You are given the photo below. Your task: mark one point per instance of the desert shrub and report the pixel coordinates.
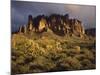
(80, 57)
(70, 52)
(16, 52)
(23, 68)
(28, 59)
(69, 63)
(42, 63)
(19, 68)
(86, 64)
(74, 63)
(20, 60)
(13, 67)
(64, 44)
(88, 54)
(77, 49)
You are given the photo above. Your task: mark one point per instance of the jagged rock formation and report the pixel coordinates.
(22, 29)
(59, 24)
(30, 23)
(63, 25)
(42, 24)
(76, 27)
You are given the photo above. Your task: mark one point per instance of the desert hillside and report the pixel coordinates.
(47, 52)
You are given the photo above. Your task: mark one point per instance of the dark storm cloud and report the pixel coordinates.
(21, 9)
(87, 14)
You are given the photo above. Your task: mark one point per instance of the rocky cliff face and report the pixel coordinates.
(59, 24)
(76, 27)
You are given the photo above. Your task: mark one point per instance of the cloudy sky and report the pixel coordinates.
(21, 9)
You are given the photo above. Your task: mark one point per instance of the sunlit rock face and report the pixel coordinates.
(76, 27)
(43, 24)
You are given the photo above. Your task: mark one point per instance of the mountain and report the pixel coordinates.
(59, 24)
